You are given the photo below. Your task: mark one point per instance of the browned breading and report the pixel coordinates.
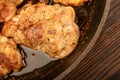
(50, 28)
(71, 2)
(8, 9)
(10, 58)
(17, 2)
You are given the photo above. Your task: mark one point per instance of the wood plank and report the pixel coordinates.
(103, 61)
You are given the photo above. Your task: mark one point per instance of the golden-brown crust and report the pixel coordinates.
(71, 2)
(10, 58)
(7, 10)
(5, 66)
(9, 28)
(50, 28)
(34, 34)
(17, 2)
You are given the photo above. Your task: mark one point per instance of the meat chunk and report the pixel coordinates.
(71, 2)
(8, 9)
(28, 4)
(10, 58)
(50, 28)
(17, 2)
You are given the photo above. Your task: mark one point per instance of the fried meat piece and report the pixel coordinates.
(71, 2)
(10, 58)
(50, 28)
(30, 3)
(17, 2)
(8, 9)
(24, 7)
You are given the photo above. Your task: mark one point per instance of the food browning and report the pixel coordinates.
(50, 28)
(10, 58)
(44, 1)
(71, 2)
(8, 9)
(17, 2)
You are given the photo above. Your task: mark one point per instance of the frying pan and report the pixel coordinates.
(39, 66)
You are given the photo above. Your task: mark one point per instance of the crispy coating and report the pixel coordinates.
(71, 2)
(17, 2)
(24, 7)
(8, 9)
(50, 28)
(10, 58)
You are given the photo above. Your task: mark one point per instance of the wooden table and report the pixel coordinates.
(103, 61)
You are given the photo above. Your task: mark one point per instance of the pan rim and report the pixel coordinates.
(90, 45)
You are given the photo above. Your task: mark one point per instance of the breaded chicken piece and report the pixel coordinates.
(29, 3)
(50, 28)
(8, 9)
(10, 58)
(25, 6)
(17, 2)
(71, 2)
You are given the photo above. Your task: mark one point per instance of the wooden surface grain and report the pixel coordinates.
(103, 61)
